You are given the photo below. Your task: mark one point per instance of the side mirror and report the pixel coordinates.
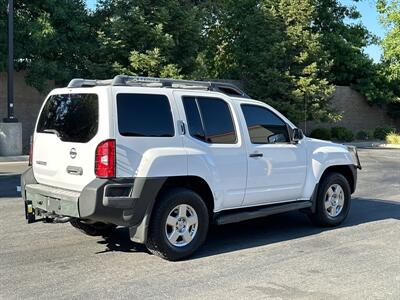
(297, 135)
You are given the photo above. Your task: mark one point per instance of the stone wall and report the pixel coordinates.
(27, 103)
(356, 113)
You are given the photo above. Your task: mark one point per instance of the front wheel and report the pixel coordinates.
(178, 226)
(333, 201)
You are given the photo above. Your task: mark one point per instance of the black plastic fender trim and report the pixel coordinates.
(128, 211)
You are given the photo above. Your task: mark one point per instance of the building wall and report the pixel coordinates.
(27, 103)
(356, 113)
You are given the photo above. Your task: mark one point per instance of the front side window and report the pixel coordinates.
(144, 115)
(264, 126)
(73, 117)
(209, 120)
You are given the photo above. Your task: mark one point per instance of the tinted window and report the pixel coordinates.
(193, 117)
(210, 120)
(73, 117)
(144, 115)
(264, 126)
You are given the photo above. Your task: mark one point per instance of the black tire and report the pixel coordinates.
(321, 216)
(93, 229)
(157, 241)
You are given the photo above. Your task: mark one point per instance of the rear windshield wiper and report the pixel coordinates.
(53, 131)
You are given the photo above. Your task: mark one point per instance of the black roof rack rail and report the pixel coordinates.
(125, 80)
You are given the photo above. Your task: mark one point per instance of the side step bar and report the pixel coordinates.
(239, 215)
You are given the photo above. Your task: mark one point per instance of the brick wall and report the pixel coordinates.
(27, 103)
(356, 113)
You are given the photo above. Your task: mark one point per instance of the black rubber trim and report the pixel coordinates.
(124, 211)
(353, 169)
(240, 215)
(314, 198)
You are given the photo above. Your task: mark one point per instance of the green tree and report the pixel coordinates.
(269, 46)
(53, 40)
(390, 18)
(128, 28)
(150, 63)
(343, 41)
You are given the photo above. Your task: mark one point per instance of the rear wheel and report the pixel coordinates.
(179, 224)
(93, 228)
(333, 201)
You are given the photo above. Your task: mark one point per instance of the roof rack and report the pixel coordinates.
(124, 80)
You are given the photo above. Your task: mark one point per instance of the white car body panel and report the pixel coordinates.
(223, 166)
(51, 156)
(278, 175)
(149, 156)
(323, 154)
(286, 172)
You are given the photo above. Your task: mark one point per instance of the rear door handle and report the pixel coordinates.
(256, 154)
(74, 170)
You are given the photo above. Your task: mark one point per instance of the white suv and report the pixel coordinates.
(167, 158)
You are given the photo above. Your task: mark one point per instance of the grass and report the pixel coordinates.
(393, 138)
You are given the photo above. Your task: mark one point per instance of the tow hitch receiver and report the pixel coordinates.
(29, 212)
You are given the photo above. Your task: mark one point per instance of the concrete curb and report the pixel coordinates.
(389, 146)
(19, 158)
(373, 145)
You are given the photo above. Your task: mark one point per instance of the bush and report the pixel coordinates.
(342, 134)
(380, 133)
(393, 138)
(321, 133)
(363, 135)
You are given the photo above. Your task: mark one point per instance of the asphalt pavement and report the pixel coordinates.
(279, 257)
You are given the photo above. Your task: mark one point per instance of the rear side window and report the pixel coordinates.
(264, 126)
(73, 117)
(209, 120)
(144, 115)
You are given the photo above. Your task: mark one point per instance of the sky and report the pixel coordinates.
(369, 17)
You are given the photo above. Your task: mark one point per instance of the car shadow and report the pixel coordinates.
(8, 185)
(268, 230)
(120, 241)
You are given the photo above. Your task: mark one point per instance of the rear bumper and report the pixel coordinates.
(123, 201)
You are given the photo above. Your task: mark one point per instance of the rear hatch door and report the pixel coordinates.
(67, 134)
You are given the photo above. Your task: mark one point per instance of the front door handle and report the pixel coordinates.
(256, 154)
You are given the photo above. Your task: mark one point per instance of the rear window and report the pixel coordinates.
(73, 117)
(144, 115)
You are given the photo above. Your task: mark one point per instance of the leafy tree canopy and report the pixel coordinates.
(270, 47)
(166, 29)
(53, 39)
(287, 53)
(390, 18)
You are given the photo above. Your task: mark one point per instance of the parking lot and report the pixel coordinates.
(278, 257)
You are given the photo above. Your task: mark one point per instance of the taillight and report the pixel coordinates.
(30, 152)
(105, 159)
